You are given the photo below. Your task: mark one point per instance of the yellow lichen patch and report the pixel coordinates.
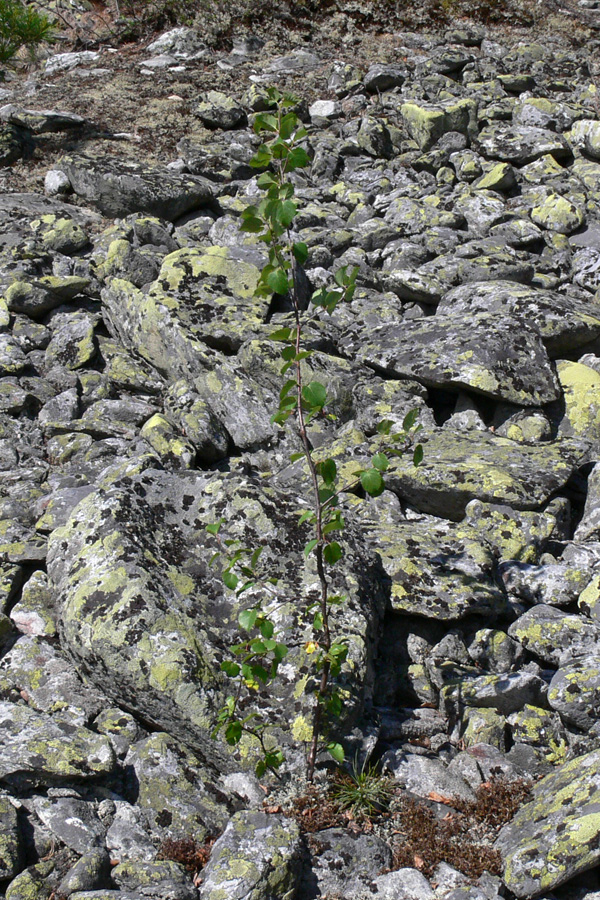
(581, 389)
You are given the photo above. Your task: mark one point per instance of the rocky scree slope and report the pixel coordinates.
(136, 393)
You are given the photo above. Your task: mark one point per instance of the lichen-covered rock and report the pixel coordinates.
(34, 747)
(427, 123)
(257, 857)
(139, 598)
(163, 878)
(520, 144)
(172, 793)
(437, 570)
(118, 188)
(478, 465)
(574, 692)
(74, 822)
(490, 355)
(563, 322)
(90, 872)
(555, 836)
(11, 849)
(217, 110)
(555, 636)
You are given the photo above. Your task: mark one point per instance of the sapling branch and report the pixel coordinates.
(259, 657)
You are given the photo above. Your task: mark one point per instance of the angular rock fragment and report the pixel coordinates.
(492, 355)
(555, 835)
(37, 747)
(118, 188)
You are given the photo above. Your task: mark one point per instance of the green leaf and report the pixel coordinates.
(260, 768)
(280, 651)
(336, 524)
(385, 426)
(230, 668)
(336, 751)
(231, 580)
(288, 125)
(334, 705)
(215, 527)
(278, 281)
(233, 733)
(307, 516)
(418, 455)
(328, 470)
(265, 122)
(252, 225)
(257, 646)
(372, 482)
(294, 457)
(380, 461)
(315, 394)
(247, 619)
(318, 621)
(300, 251)
(267, 629)
(297, 159)
(282, 334)
(256, 556)
(265, 180)
(410, 419)
(285, 212)
(289, 353)
(261, 158)
(287, 387)
(332, 553)
(310, 547)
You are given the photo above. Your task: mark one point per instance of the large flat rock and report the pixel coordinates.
(490, 354)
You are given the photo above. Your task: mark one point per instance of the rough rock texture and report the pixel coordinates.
(460, 174)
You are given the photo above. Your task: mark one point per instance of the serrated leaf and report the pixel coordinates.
(336, 524)
(289, 353)
(265, 180)
(231, 580)
(385, 426)
(288, 125)
(265, 122)
(266, 629)
(280, 651)
(336, 751)
(297, 159)
(315, 394)
(252, 225)
(285, 213)
(332, 553)
(372, 482)
(380, 462)
(261, 158)
(287, 387)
